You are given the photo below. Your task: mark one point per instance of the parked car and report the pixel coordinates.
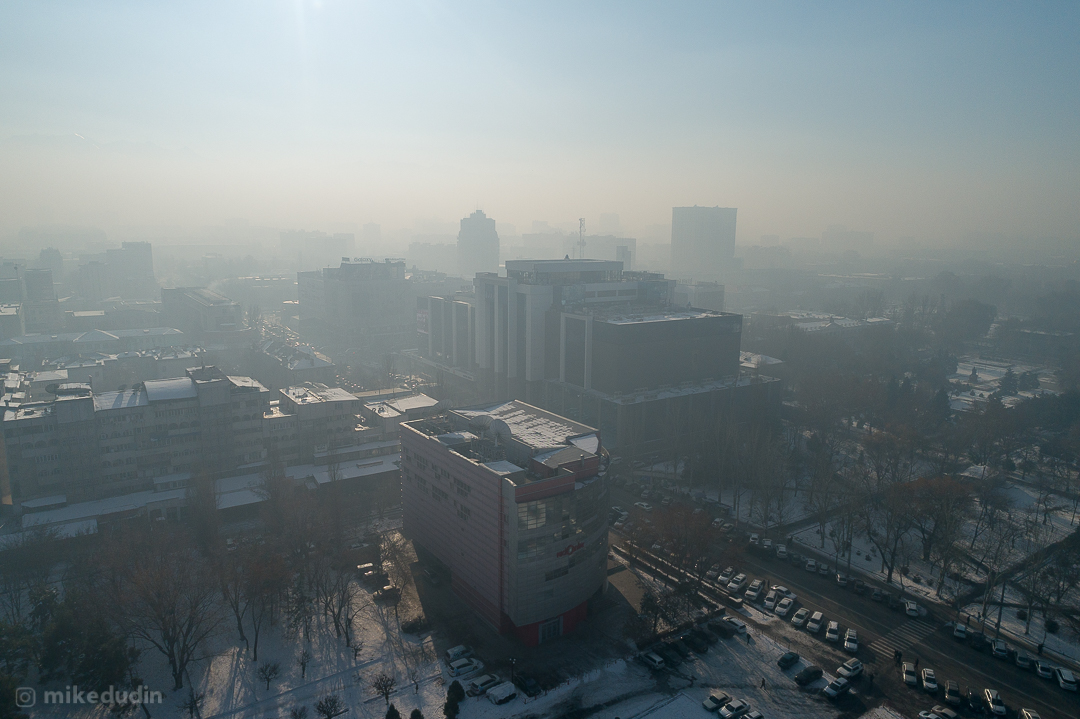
(851, 641)
(993, 702)
(841, 579)
(975, 702)
(766, 545)
(999, 649)
(465, 667)
(810, 566)
(1028, 714)
(787, 660)
(704, 635)
(696, 643)
(461, 651)
(653, 660)
(781, 551)
(755, 540)
(713, 702)
(784, 606)
(1023, 660)
(800, 617)
(726, 575)
(809, 675)
(717, 524)
(814, 624)
(978, 641)
(754, 591)
(388, 593)
(740, 628)
(907, 670)
(528, 685)
(837, 687)
(952, 693)
(860, 586)
(832, 633)
(643, 506)
(960, 631)
(929, 680)
(481, 684)
(877, 595)
(944, 712)
(850, 669)
(771, 599)
(1065, 679)
(737, 583)
(502, 693)
(734, 708)
(722, 628)
(824, 569)
(1043, 669)
(911, 608)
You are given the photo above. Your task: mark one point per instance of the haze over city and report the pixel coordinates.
(922, 122)
(604, 360)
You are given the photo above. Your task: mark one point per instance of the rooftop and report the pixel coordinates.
(529, 425)
(314, 393)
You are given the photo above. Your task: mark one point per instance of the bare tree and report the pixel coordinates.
(162, 593)
(27, 560)
(268, 672)
(330, 706)
(383, 684)
(302, 661)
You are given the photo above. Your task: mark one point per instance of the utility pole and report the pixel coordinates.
(581, 238)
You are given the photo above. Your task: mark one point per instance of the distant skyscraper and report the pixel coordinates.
(702, 241)
(478, 245)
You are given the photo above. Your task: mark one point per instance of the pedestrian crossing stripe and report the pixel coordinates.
(903, 636)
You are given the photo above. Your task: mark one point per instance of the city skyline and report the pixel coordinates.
(938, 124)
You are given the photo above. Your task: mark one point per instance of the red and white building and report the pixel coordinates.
(513, 500)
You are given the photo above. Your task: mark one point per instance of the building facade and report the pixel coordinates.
(513, 500)
(207, 316)
(702, 242)
(477, 245)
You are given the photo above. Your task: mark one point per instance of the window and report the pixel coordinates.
(463, 489)
(464, 512)
(556, 573)
(438, 493)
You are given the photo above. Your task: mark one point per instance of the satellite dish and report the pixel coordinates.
(499, 430)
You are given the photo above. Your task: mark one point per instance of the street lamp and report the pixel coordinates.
(512, 663)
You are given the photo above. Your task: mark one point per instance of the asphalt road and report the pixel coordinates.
(881, 630)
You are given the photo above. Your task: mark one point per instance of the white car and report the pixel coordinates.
(465, 667)
(816, 620)
(993, 702)
(800, 617)
(850, 669)
(785, 592)
(851, 641)
(929, 680)
(911, 608)
(1065, 679)
(784, 606)
(960, 631)
(907, 669)
(771, 598)
(832, 633)
(726, 575)
(755, 590)
(643, 506)
(735, 708)
(755, 539)
(837, 687)
(811, 565)
(737, 583)
(841, 579)
(738, 626)
(781, 551)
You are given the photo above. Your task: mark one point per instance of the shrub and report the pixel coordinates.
(1051, 626)
(1021, 614)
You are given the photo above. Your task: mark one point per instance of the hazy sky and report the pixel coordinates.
(926, 120)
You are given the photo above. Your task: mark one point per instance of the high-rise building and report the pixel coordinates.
(131, 270)
(205, 316)
(513, 501)
(702, 242)
(41, 308)
(478, 245)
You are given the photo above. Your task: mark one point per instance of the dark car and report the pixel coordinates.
(704, 634)
(979, 642)
(894, 602)
(722, 628)
(696, 643)
(528, 685)
(788, 660)
(975, 702)
(680, 646)
(860, 586)
(952, 693)
(808, 676)
(669, 655)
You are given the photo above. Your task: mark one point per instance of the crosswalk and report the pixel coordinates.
(902, 637)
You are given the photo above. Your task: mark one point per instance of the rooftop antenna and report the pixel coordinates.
(581, 238)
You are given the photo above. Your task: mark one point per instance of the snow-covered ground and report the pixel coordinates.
(1066, 643)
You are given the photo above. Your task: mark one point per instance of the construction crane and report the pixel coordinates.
(581, 238)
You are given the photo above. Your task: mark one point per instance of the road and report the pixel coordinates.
(882, 630)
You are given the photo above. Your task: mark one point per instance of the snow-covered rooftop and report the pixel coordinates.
(161, 390)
